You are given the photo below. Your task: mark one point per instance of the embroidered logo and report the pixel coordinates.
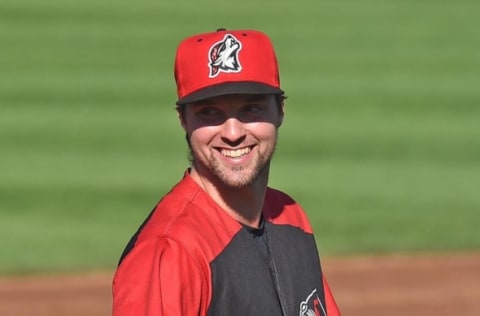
(312, 306)
(224, 56)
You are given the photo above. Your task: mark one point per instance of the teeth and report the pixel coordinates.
(235, 153)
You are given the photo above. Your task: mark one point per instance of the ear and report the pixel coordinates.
(281, 110)
(181, 116)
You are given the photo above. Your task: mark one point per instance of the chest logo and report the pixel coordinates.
(224, 56)
(312, 306)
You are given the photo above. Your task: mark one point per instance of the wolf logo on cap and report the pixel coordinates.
(224, 56)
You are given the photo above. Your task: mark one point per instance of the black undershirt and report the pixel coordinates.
(259, 236)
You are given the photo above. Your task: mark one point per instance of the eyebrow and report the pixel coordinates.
(246, 98)
(200, 103)
(256, 97)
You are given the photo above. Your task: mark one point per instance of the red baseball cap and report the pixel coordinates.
(225, 62)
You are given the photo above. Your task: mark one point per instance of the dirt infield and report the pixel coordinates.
(407, 285)
(389, 285)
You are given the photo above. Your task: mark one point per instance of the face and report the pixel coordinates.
(232, 138)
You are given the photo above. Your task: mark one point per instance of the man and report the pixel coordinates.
(222, 242)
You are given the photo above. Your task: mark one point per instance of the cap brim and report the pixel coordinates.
(229, 88)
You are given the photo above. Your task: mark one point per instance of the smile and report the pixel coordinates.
(235, 153)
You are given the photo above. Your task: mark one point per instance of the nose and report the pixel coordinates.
(233, 131)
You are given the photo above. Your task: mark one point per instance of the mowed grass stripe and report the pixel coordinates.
(380, 143)
(383, 204)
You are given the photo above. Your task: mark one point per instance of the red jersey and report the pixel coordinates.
(190, 257)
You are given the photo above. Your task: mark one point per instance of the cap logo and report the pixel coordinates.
(223, 56)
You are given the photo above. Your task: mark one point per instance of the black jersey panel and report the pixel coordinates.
(245, 282)
(297, 266)
(241, 279)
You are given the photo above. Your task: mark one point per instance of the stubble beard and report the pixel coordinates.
(234, 177)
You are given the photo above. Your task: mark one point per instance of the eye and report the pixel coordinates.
(253, 108)
(207, 111)
(252, 112)
(209, 114)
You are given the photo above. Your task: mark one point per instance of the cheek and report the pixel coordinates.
(201, 136)
(266, 131)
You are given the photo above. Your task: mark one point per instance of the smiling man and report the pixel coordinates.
(222, 242)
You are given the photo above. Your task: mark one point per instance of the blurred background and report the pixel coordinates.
(381, 142)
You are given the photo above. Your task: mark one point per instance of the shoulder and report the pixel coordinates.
(281, 208)
(162, 249)
(159, 270)
(189, 218)
(277, 201)
(275, 194)
(182, 208)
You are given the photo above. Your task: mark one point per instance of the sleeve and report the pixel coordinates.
(160, 278)
(332, 308)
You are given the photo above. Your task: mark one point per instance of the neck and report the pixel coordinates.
(243, 204)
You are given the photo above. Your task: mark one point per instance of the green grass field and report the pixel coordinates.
(381, 143)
